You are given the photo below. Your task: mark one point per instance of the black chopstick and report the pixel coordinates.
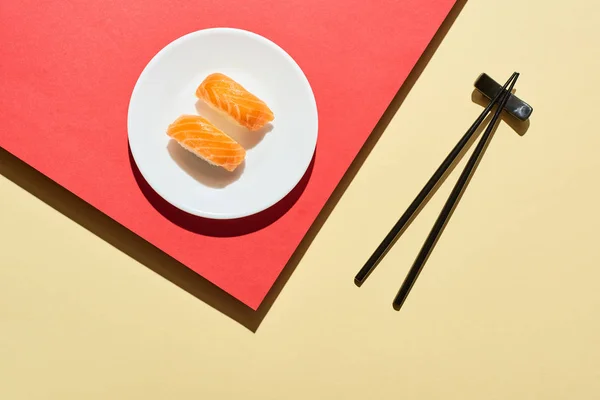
(452, 201)
(387, 242)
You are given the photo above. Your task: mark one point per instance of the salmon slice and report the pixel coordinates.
(232, 99)
(208, 142)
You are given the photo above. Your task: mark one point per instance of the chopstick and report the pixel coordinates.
(446, 212)
(395, 232)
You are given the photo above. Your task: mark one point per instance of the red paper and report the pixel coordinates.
(68, 68)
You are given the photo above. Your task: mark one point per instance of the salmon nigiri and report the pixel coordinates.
(208, 142)
(229, 97)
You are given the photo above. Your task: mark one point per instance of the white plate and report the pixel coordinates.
(277, 157)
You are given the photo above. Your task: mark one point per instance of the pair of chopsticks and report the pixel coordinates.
(500, 99)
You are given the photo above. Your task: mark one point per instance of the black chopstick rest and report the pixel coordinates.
(514, 106)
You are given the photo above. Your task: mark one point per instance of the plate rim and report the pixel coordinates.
(208, 214)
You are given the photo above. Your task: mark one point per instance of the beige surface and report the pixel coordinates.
(508, 305)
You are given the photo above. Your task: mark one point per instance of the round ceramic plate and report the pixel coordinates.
(277, 156)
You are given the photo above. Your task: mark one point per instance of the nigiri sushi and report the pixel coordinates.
(232, 99)
(206, 141)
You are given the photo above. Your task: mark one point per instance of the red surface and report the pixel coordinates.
(68, 68)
